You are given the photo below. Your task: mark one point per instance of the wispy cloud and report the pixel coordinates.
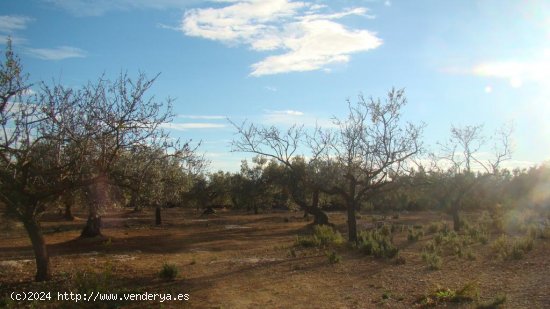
(16, 40)
(516, 72)
(59, 53)
(192, 125)
(291, 117)
(100, 7)
(304, 38)
(270, 88)
(210, 117)
(11, 23)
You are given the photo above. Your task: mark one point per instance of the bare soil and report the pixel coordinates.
(237, 260)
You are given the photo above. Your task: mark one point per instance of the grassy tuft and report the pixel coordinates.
(168, 271)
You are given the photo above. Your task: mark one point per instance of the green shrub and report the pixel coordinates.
(414, 234)
(506, 248)
(434, 227)
(86, 282)
(433, 260)
(377, 243)
(307, 241)
(468, 293)
(327, 235)
(333, 257)
(168, 271)
(323, 236)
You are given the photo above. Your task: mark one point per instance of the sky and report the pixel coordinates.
(280, 62)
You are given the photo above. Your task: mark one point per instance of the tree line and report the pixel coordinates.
(104, 144)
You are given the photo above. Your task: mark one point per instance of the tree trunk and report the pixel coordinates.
(158, 218)
(68, 215)
(134, 202)
(456, 218)
(319, 216)
(40, 249)
(93, 226)
(351, 204)
(352, 223)
(255, 209)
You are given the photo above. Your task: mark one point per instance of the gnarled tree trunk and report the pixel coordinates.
(40, 249)
(93, 226)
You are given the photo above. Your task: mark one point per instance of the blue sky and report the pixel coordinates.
(278, 62)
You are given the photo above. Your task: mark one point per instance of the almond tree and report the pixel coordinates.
(284, 147)
(42, 147)
(368, 151)
(466, 148)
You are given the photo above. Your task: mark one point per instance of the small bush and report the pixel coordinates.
(434, 227)
(506, 248)
(333, 257)
(470, 255)
(327, 235)
(323, 236)
(307, 241)
(168, 271)
(87, 281)
(468, 293)
(414, 234)
(433, 260)
(377, 243)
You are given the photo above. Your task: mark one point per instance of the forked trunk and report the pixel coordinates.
(40, 249)
(319, 216)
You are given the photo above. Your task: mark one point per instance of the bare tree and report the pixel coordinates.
(283, 146)
(120, 117)
(465, 148)
(61, 139)
(369, 150)
(40, 155)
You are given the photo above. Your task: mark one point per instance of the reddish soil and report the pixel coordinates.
(235, 260)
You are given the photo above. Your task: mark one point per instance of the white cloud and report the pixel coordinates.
(516, 72)
(11, 23)
(59, 53)
(305, 39)
(100, 7)
(192, 125)
(387, 3)
(291, 117)
(210, 117)
(488, 89)
(271, 88)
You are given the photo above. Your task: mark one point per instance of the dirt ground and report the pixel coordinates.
(236, 260)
